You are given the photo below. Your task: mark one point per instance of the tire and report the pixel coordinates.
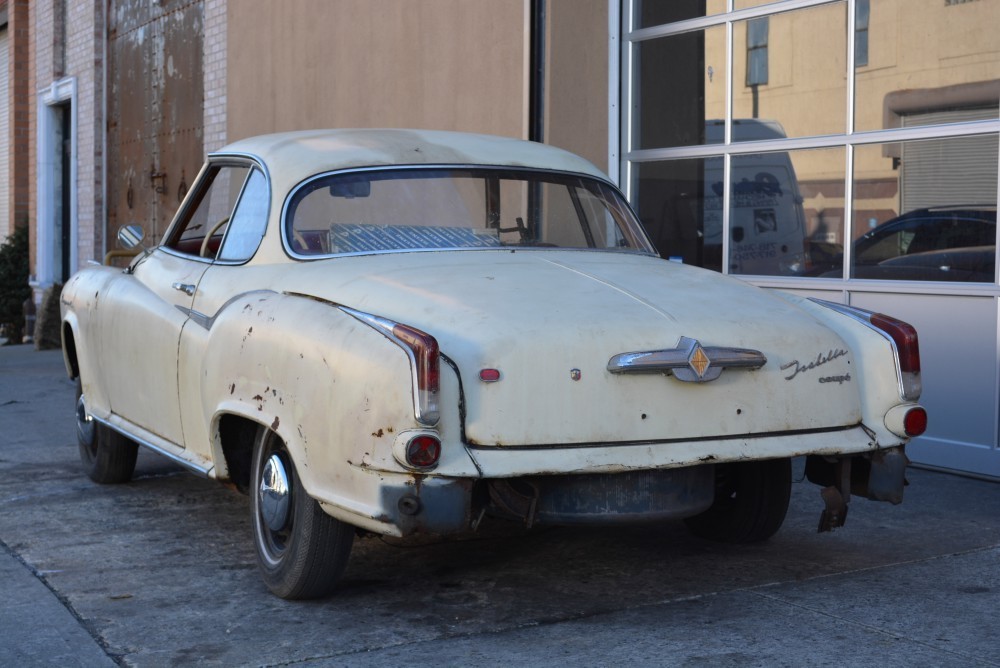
(751, 499)
(107, 456)
(301, 551)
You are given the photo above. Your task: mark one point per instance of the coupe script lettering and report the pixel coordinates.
(820, 360)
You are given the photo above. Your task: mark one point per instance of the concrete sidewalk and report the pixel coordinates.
(160, 571)
(40, 628)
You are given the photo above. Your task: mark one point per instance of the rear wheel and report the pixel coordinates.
(751, 499)
(301, 550)
(107, 456)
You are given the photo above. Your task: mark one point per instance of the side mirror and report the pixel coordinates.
(130, 236)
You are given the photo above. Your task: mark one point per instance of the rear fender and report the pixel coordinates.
(874, 368)
(332, 388)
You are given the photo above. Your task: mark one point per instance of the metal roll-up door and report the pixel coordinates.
(957, 171)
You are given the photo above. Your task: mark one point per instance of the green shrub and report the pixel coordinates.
(14, 289)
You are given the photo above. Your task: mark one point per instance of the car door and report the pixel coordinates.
(225, 279)
(145, 316)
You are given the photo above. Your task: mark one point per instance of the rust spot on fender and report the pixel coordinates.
(274, 425)
(232, 388)
(378, 434)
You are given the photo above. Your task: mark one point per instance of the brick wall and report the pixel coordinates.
(21, 146)
(68, 41)
(215, 74)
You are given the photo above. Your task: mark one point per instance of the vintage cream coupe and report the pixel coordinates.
(401, 332)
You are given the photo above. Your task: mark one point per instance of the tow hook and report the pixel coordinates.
(836, 497)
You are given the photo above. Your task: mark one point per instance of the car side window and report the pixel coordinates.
(201, 229)
(886, 246)
(249, 221)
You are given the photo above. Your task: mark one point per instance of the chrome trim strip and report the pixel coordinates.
(190, 466)
(206, 321)
(685, 362)
(385, 326)
(792, 433)
(863, 316)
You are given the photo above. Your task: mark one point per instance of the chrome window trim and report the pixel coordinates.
(284, 223)
(238, 159)
(236, 206)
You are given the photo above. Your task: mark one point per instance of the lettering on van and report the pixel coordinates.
(820, 360)
(764, 190)
(755, 251)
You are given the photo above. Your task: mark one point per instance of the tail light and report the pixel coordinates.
(903, 338)
(423, 451)
(915, 421)
(425, 362)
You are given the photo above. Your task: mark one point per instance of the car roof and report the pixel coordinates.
(301, 154)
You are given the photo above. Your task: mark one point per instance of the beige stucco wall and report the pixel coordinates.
(437, 64)
(576, 78)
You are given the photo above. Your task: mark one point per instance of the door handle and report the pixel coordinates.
(186, 288)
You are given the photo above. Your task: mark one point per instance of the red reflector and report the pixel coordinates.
(423, 452)
(489, 375)
(915, 422)
(905, 337)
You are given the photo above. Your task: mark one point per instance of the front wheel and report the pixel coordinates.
(107, 456)
(301, 550)
(751, 499)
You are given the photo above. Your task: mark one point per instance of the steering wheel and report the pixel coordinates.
(208, 237)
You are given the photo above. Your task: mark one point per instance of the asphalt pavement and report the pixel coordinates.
(160, 572)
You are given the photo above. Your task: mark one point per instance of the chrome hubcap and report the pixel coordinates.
(272, 495)
(84, 423)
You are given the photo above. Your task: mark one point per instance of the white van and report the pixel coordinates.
(767, 221)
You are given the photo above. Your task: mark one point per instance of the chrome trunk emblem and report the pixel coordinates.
(689, 361)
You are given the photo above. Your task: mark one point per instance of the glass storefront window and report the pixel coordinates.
(744, 4)
(680, 210)
(680, 85)
(924, 71)
(926, 57)
(789, 68)
(648, 13)
(786, 212)
(926, 210)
